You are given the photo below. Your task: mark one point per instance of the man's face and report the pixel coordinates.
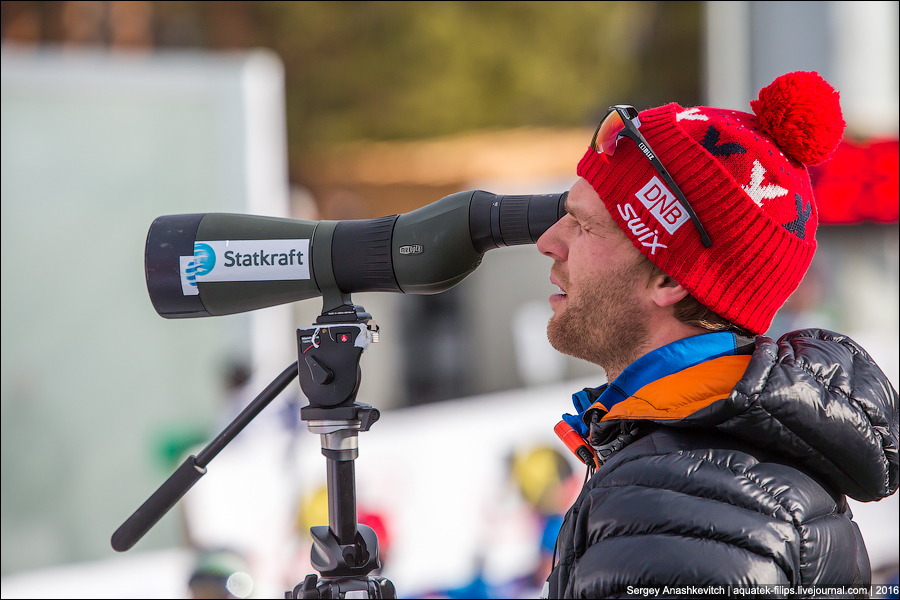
(600, 315)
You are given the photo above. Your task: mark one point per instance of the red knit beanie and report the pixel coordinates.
(746, 178)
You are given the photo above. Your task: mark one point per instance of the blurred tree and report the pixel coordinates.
(390, 70)
(401, 70)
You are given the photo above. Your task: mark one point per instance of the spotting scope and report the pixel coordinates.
(209, 264)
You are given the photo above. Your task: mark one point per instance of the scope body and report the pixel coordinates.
(210, 264)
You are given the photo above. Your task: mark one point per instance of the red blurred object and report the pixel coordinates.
(377, 523)
(859, 184)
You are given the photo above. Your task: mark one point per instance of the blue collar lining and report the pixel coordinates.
(659, 363)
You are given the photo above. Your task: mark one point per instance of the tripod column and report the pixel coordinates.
(340, 445)
(342, 500)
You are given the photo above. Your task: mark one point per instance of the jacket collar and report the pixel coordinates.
(654, 366)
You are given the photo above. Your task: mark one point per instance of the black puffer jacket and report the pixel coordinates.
(742, 488)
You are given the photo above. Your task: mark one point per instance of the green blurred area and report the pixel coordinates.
(412, 70)
(399, 70)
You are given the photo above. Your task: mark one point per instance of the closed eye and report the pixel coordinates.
(571, 221)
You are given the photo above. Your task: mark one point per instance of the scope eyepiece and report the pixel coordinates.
(200, 265)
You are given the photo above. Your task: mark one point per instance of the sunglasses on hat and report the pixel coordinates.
(622, 121)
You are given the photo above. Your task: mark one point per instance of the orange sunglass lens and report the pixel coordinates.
(608, 133)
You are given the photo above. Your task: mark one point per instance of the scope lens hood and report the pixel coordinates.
(171, 237)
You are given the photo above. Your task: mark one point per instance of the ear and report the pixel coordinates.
(665, 291)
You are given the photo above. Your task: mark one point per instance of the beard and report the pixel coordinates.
(602, 322)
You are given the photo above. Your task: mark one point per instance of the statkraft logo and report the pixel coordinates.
(188, 269)
(261, 258)
(204, 258)
(201, 263)
(244, 260)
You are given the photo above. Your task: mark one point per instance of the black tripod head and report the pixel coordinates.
(345, 552)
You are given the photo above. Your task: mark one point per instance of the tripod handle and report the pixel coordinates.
(157, 505)
(193, 468)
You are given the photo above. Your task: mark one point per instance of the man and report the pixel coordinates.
(721, 460)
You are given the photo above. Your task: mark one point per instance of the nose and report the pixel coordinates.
(551, 243)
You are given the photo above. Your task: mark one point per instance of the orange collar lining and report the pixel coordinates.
(681, 394)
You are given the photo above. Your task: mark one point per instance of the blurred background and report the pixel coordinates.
(114, 113)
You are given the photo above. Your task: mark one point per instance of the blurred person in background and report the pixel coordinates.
(546, 481)
(722, 457)
(543, 480)
(220, 574)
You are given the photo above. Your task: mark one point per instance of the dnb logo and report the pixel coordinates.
(662, 204)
